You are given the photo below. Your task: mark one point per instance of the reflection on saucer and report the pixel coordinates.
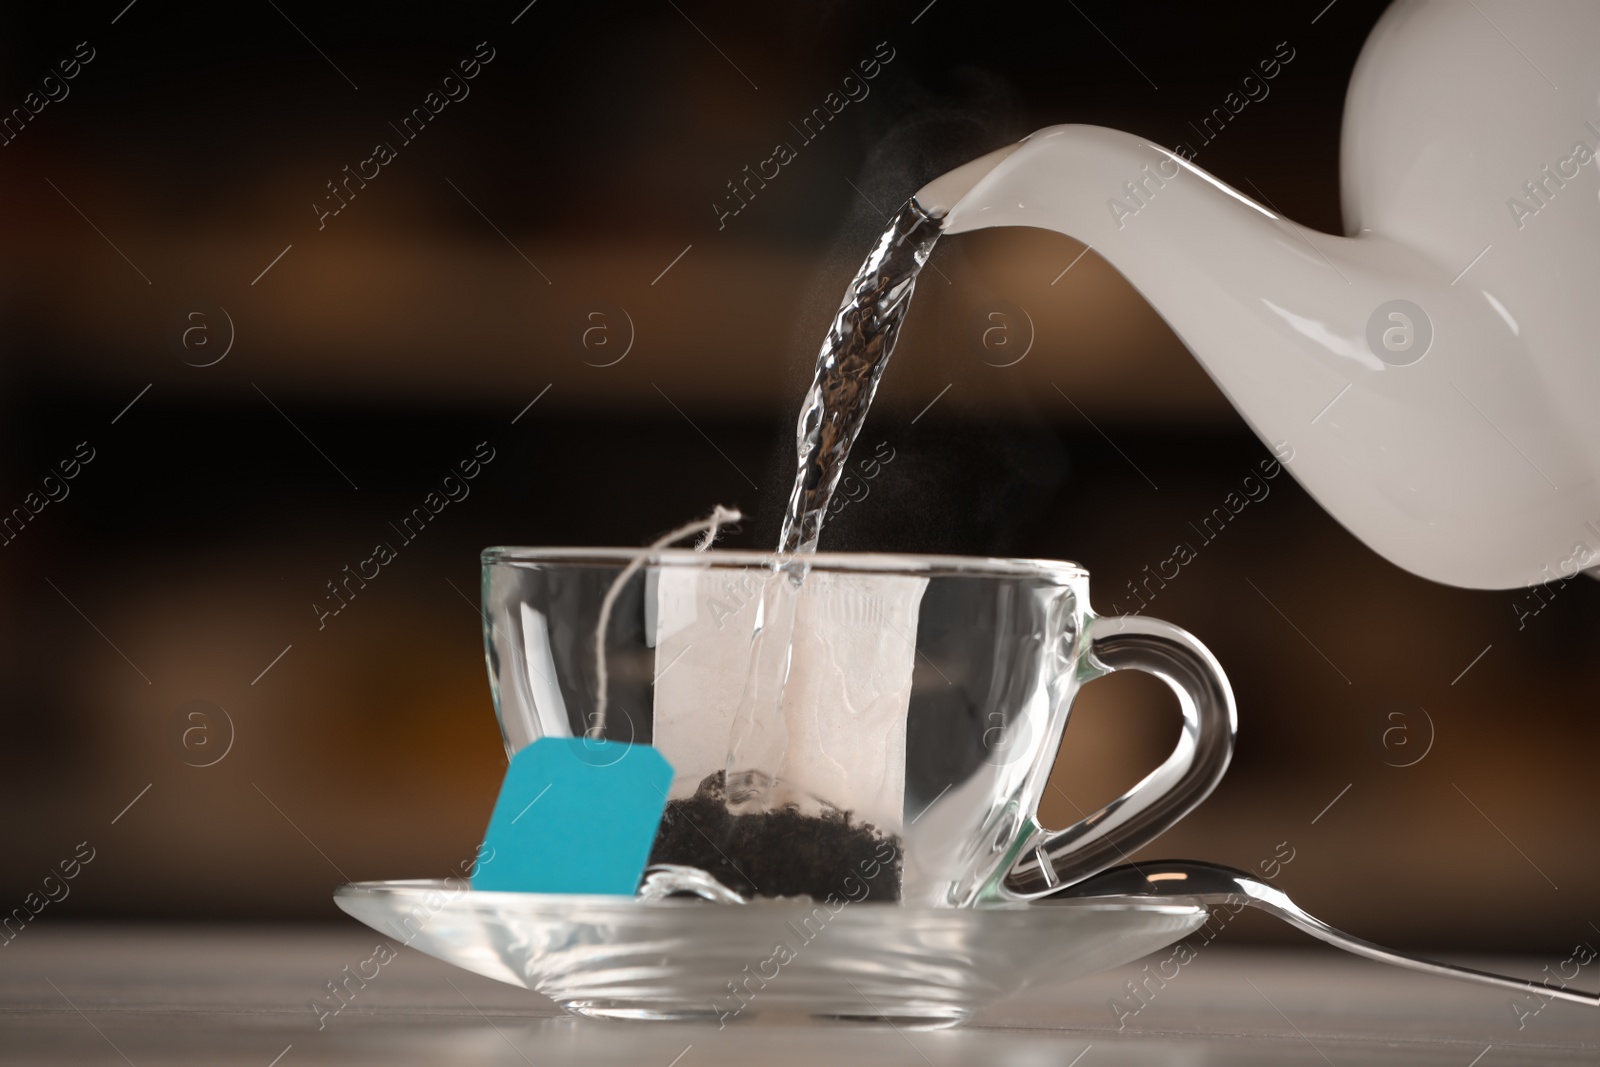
(622, 958)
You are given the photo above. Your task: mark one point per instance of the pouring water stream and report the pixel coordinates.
(854, 354)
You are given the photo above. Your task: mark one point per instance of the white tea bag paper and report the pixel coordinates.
(840, 738)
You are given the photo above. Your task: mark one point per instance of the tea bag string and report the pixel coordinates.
(712, 525)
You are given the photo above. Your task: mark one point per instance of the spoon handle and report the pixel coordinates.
(1275, 902)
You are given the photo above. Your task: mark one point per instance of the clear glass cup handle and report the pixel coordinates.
(1049, 860)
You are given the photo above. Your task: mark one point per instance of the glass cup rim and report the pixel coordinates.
(930, 565)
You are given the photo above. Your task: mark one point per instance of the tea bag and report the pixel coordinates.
(795, 770)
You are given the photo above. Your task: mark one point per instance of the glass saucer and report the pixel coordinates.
(622, 958)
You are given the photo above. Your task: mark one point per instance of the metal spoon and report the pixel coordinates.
(1206, 884)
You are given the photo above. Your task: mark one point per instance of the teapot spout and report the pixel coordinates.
(1318, 341)
(1234, 280)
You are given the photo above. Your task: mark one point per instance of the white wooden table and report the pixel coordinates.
(148, 995)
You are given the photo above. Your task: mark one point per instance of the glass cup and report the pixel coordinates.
(924, 699)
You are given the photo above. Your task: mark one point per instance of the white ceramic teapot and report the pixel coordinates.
(1435, 372)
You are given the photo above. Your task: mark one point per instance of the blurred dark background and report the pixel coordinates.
(1427, 760)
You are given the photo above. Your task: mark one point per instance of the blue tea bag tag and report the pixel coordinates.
(575, 815)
